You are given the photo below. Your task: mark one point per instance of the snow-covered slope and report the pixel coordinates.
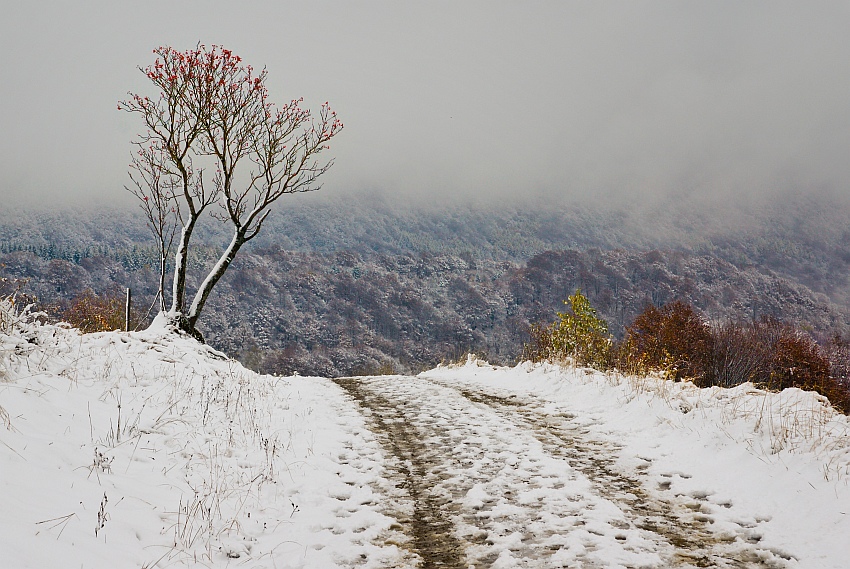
(147, 450)
(151, 450)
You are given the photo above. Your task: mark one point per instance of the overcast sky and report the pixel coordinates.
(443, 99)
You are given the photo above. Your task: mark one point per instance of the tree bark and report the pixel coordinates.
(181, 260)
(213, 277)
(163, 264)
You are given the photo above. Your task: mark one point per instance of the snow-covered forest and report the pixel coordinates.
(359, 286)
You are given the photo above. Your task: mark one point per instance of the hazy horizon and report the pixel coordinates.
(462, 102)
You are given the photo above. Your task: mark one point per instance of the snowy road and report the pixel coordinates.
(491, 479)
(149, 450)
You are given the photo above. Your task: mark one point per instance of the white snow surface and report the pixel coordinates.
(151, 450)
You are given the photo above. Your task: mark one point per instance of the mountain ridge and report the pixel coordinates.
(349, 287)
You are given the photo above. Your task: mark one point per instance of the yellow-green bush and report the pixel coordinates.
(577, 333)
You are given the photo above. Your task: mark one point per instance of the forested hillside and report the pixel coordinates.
(342, 288)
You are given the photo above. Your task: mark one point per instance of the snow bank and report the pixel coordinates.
(151, 450)
(147, 449)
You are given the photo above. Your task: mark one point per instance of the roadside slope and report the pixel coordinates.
(149, 450)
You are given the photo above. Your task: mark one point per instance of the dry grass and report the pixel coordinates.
(218, 425)
(791, 420)
(7, 316)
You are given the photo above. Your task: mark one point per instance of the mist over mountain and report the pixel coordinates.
(364, 284)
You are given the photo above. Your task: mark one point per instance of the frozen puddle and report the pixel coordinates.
(488, 479)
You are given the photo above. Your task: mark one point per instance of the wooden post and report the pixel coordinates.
(127, 312)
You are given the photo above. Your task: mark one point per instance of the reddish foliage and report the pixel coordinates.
(777, 356)
(797, 362)
(767, 352)
(672, 338)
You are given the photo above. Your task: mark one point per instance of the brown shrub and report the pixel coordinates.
(776, 356)
(797, 362)
(838, 352)
(673, 339)
(738, 355)
(90, 312)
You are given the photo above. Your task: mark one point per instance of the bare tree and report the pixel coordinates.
(213, 114)
(155, 190)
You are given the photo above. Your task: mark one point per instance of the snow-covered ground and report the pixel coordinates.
(765, 475)
(144, 450)
(151, 450)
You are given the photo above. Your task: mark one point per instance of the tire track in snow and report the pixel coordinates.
(680, 523)
(492, 480)
(428, 527)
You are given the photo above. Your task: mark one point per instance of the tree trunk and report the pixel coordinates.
(212, 278)
(181, 260)
(182, 323)
(163, 264)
